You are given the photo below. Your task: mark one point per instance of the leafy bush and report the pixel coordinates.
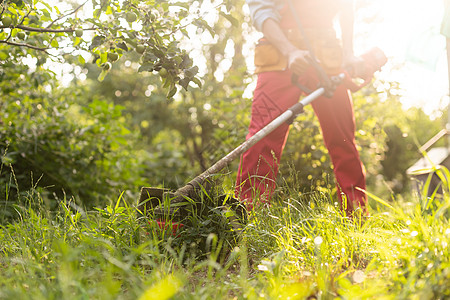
(53, 141)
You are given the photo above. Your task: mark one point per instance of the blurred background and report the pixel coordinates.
(69, 134)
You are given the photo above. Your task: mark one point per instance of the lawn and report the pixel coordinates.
(302, 247)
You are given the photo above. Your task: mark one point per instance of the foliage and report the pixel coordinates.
(51, 141)
(58, 139)
(390, 136)
(185, 135)
(106, 30)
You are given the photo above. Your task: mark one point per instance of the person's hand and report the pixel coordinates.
(298, 61)
(355, 66)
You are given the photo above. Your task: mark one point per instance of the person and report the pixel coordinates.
(281, 53)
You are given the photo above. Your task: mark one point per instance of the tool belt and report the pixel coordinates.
(326, 47)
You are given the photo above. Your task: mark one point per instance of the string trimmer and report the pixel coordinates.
(177, 205)
(167, 205)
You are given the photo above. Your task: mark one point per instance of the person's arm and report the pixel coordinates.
(265, 16)
(297, 59)
(261, 10)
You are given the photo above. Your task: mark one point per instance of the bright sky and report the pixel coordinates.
(408, 32)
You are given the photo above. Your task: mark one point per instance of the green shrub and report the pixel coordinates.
(54, 140)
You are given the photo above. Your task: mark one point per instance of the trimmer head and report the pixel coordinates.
(169, 209)
(150, 198)
(151, 205)
(162, 203)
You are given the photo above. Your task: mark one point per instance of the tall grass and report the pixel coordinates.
(302, 246)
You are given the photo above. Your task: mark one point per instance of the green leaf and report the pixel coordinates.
(97, 13)
(97, 41)
(103, 57)
(191, 72)
(147, 66)
(230, 18)
(181, 4)
(172, 92)
(167, 82)
(197, 81)
(149, 56)
(54, 43)
(81, 59)
(3, 55)
(122, 46)
(13, 10)
(46, 13)
(102, 75)
(186, 63)
(46, 4)
(184, 83)
(77, 41)
(159, 53)
(203, 24)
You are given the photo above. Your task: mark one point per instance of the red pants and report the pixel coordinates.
(258, 168)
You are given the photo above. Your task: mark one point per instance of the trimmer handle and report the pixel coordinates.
(373, 60)
(352, 85)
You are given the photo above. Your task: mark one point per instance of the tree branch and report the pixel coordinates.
(23, 19)
(68, 14)
(36, 29)
(24, 45)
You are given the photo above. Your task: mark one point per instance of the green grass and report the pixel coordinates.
(300, 247)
